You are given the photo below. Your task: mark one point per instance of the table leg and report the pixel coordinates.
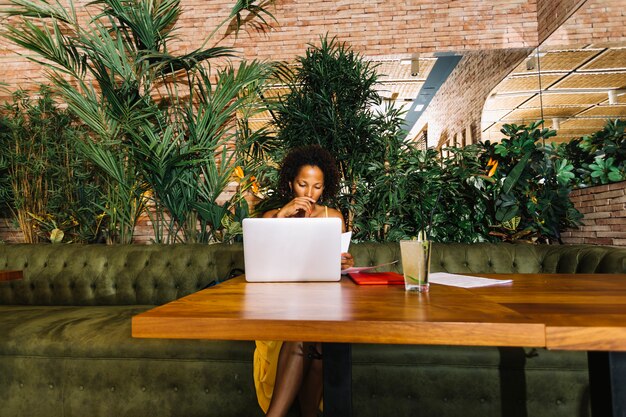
(337, 379)
(607, 383)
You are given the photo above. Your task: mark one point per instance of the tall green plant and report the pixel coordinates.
(330, 101)
(160, 123)
(53, 188)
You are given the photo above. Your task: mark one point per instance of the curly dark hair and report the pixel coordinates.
(313, 155)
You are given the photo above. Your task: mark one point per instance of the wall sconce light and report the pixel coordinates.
(612, 97)
(531, 63)
(556, 123)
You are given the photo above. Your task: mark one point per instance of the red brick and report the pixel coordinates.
(597, 216)
(612, 234)
(609, 194)
(609, 221)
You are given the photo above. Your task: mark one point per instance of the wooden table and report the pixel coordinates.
(11, 275)
(566, 311)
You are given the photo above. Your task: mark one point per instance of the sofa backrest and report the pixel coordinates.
(156, 274)
(113, 275)
(502, 258)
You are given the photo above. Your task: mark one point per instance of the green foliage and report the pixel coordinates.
(391, 189)
(47, 183)
(599, 158)
(161, 122)
(530, 193)
(330, 99)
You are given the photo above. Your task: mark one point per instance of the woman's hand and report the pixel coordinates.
(298, 207)
(347, 261)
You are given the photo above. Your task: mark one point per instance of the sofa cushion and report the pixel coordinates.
(99, 332)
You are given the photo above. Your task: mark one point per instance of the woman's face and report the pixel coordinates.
(308, 183)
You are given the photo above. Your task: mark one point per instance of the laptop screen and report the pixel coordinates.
(292, 249)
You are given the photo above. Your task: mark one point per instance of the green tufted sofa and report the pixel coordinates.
(66, 347)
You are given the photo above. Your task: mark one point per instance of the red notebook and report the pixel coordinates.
(377, 278)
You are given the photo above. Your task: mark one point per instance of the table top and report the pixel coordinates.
(10, 275)
(561, 311)
(580, 311)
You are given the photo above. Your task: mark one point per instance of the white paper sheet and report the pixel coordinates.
(345, 241)
(464, 281)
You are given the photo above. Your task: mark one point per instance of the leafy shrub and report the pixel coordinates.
(530, 187)
(48, 184)
(599, 158)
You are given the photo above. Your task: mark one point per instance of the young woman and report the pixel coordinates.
(284, 371)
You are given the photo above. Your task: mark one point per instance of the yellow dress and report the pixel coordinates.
(265, 364)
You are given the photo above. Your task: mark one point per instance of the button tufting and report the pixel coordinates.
(51, 386)
(239, 391)
(206, 390)
(21, 385)
(143, 389)
(112, 389)
(175, 388)
(81, 388)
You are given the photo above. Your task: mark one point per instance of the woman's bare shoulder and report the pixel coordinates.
(334, 213)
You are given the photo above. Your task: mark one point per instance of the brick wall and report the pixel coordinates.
(374, 28)
(604, 208)
(551, 13)
(455, 112)
(9, 233)
(597, 22)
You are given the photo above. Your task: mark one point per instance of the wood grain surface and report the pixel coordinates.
(10, 275)
(580, 311)
(340, 312)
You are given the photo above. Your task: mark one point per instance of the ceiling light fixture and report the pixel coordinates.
(415, 67)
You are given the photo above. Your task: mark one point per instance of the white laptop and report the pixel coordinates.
(292, 249)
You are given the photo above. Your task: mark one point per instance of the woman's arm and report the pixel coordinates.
(298, 207)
